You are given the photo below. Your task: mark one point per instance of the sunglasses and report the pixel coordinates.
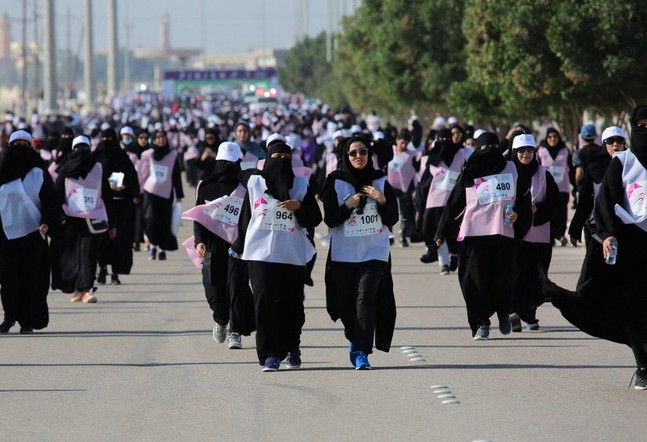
(525, 150)
(142, 137)
(614, 140)
(361, 152)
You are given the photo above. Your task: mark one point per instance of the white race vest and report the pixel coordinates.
(634, 180)
(20, 205)
(274, 234)
(362, 237)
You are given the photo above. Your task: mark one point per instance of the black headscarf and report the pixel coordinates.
(639, 134)
(78, 164)
(278, 173)
(525, 172)
(64, 145)
(16, 161)
(109, 152)
(483, 162)
(358, 178)
(160, 152)
(135, 147)
(553, 151)
(443, 150)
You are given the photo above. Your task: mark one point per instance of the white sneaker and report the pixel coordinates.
(482, 334)
(219, 333)
(233, 342)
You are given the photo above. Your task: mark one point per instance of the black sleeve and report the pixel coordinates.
(584, 206)
(106, 196)
(334, 214)
(309, 214)
(131, 180)
(389, 211)
(611, 193)
(523, 209)
(51, 206)
(243, 222)
(177, 179)
(453, 210)
(545, 208)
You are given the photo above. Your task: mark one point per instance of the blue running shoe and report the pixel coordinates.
(294, 359)
(352, 353)
(272, 363)
(361, 361)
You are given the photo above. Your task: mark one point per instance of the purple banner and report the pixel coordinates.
(216, 74)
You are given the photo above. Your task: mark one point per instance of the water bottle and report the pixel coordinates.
(611, 256)
(508, 212)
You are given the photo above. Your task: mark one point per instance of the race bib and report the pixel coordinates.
(445, 179)
(367, 223)
(225, 209)
(159, 172)
(395, 165)
(81, 199)
(557, 172)
(636, 196)
(275, 218)
(494, 188)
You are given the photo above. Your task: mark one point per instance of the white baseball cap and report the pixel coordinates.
(229, 151)
(613, 131)
(81, 139)
(275, 136)
(127, 130)
(20, 135)
(524, 140)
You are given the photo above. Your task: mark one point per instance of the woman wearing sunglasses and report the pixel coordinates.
(359, 207)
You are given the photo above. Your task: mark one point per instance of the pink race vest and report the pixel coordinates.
(142, 172)
(249, 161)
(400, 171)
(558, 167)
(52, 170)
(541, 233)
(190, 250)
(220, 216)
(423, 164)
(444, 180)
(83, 196)
(159, 179)
(331, 162)
(485, 204)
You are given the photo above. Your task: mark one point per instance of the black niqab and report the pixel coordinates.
(64, 145)
(78, 164)
(444, 150)
(278, 173)
(639, 135)
(483, 162)
(109, 152)
(16, 161)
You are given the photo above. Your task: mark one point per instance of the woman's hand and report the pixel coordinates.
(200, 249)
(512, 216)
(606, 245)
(374, 194)
(291, 205)
(353, 201)
(43, 228)
(440, 242)
(112, 233)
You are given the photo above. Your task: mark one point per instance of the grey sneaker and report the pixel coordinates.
(219, 333)
(233, 342)
(482, 334)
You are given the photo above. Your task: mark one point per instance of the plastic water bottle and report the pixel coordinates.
(611, 256)
(508, 212)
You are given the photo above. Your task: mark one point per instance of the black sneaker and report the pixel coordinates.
(445, 270)
(641, 379)
(114, 280)
(453, 262)
(505, 326)
(26, 330)
(429, 257)
(6, 326)
(515, 320)
(161, 256)
(101, 277)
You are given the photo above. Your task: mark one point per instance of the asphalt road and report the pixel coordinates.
(141, 364)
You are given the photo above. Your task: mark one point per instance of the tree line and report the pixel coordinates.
(491, 61)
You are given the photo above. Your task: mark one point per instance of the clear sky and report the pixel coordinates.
(216, 26)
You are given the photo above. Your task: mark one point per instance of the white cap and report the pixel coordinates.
(478, 133)
(378, 135)
(81, 139)
(338, 134)
(524, 140)
(613, 131)
(105, 125)
(355, 129)
(275, 136)
(229, 152)
(127, 130)
(452, 120)
(20, 135)
(439, 122)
